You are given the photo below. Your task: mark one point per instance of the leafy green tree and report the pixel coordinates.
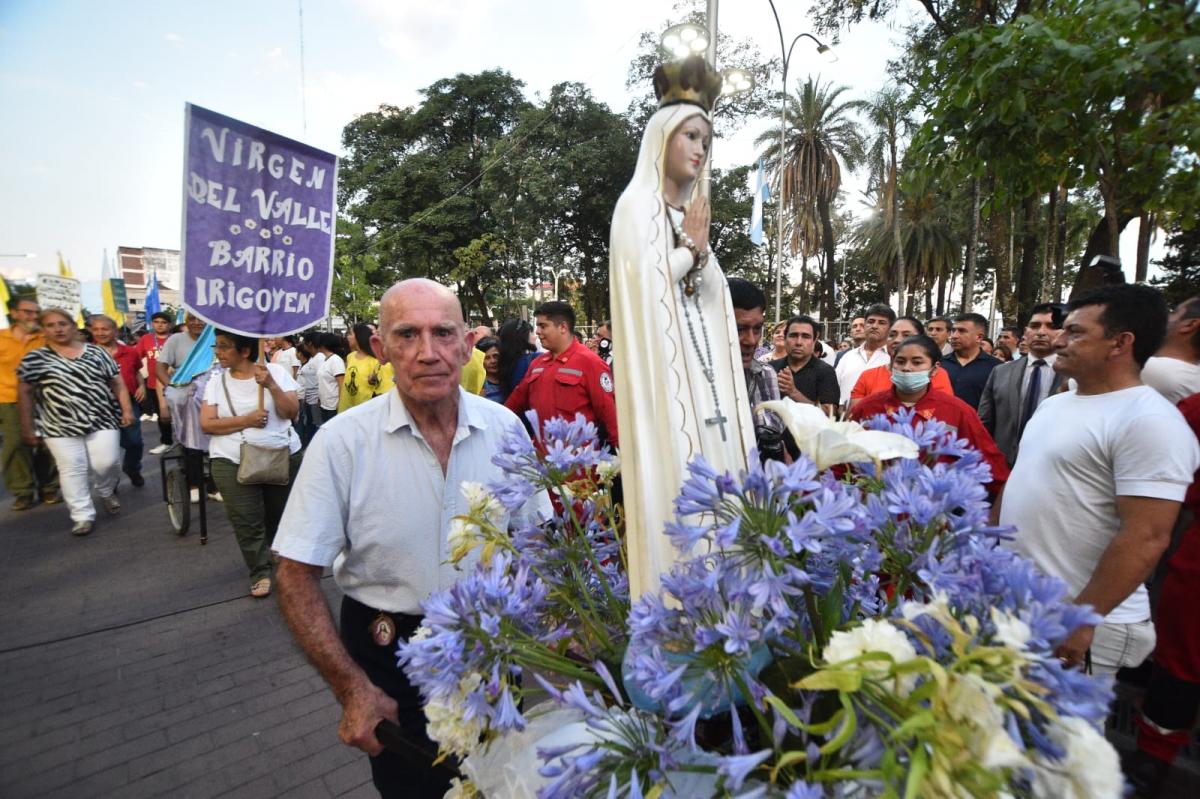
(1180, 278)
(819, 138)
(923, 231)
(359, 279)
(888, 116)
(411, 177)
(554, 197)
(1097, 93)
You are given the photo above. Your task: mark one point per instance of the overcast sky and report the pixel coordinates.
(93, 93)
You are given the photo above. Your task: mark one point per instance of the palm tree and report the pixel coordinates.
(889, 116)
(820, 139)
(920, 236)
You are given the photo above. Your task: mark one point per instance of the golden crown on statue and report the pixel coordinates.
(691, 80)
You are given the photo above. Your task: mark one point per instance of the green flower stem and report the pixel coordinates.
(758, 714)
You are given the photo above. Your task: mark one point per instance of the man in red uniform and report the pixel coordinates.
(148, 348)
(568, 379)
(104, 333)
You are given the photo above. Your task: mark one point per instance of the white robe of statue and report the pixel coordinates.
(663, 397)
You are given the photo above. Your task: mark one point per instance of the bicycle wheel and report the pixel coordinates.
(179, 501)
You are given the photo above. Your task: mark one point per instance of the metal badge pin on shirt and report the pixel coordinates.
(383, 629)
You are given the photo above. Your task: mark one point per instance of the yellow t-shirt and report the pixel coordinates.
(11, 353)
(356, 384)
(473, 374)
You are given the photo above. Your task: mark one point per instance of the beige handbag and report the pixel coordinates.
(261, 465)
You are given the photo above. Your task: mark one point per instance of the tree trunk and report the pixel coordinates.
(1100, 243)
(827, 284)
(1146, 224)
(1051, 240)
(1000, 253)
(941, 295)
(972, 250)
(901, 278)
(1026, 285)
(1060, 260)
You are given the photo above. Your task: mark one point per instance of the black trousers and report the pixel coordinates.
(150, 405)
(399, 775)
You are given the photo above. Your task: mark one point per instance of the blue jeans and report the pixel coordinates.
(131, 443)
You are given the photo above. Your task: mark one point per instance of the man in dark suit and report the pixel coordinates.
(1007, 401)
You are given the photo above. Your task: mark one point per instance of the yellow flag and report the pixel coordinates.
(5, 294)
(106, 295)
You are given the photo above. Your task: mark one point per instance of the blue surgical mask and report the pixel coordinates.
(910, 382)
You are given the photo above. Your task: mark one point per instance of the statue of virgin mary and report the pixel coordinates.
(680, 387)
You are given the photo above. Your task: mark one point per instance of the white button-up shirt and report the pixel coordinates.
(371, 500)
(853, 364)
(1046, 379)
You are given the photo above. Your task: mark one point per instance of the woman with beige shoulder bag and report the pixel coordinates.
(248, 411)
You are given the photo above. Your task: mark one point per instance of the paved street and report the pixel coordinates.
(134, 663)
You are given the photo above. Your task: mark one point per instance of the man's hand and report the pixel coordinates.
(787, 384)
(30, 438)
(140, 394)
(126, 419)
(1072, 651)
(362, 709)
(164, 410)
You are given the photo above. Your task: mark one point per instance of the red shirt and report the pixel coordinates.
(130, 361)
(945, 408)
(577, 381)
(148, 347)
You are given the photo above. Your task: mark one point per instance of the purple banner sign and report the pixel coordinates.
(258, 226)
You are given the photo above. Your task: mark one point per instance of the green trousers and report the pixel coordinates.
(24, 466)
(254, 511)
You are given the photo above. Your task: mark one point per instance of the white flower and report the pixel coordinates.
(828, 442)
(1010, 630)
(461, 789)
(608, 469)
(938, 608)
(448, 724)
(873, 635)
(420, 634)
(464, 535)
(482, 502)
(972, 701)
(1090, 769)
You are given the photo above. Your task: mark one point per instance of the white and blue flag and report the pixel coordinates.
(762, 193)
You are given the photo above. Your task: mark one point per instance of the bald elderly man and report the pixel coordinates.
(387, 546)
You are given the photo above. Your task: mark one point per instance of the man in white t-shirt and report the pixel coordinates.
(871, 353)
(1101, 474)
(1174, 371)
(374, 499)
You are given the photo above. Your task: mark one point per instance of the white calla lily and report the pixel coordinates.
(828, 442)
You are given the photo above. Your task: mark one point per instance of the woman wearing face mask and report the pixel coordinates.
(879, 378)
(914, 363)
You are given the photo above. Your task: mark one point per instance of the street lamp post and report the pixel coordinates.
(786, 52)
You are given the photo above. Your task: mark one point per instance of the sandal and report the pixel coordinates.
(261, 588)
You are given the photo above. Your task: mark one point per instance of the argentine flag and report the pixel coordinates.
(762, 192)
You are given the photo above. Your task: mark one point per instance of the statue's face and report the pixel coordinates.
(686, 151)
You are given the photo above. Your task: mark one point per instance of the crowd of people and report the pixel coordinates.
(1090, 430)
